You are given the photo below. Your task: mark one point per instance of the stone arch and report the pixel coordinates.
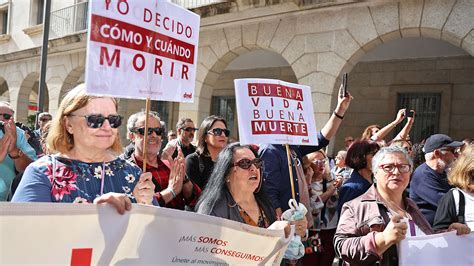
(219, 47)
(372, 26)
(4, 91)
(74, 77)
(29, 85)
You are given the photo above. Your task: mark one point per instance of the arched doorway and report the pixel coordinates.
(28, 99)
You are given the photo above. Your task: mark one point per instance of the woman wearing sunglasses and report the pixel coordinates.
(85, 168)
(234, 190)
(371, 225)
(323, 202)
(213, 136)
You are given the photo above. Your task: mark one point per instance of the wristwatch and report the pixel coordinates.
(19, 154)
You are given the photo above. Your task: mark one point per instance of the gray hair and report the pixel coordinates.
(183, 121)
(389, 150)
(132, 120)
(342, 153)
(6, 104)
(44, 114)
(429, 156)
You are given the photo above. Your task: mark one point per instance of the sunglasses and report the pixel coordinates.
(218, 132)
(96, 121)
(157, 130)
(189, 129)
(247, 163)
(390, 168)
(6, 116)
(172, 135)
(323, 161)
(45, 119)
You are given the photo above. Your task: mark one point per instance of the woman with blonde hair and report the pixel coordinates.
(324, 202)
(458, 204)
(85, 166)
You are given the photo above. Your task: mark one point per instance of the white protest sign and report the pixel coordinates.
(88, 234)
(141, 49)
(274, 111)
(438, 249)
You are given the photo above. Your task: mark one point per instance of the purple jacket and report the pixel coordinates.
(360, 220)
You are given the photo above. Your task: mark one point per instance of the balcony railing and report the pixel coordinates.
(73, 19)
(69, 20)
(190, 4)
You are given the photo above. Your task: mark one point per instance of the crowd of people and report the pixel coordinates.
(360, 205)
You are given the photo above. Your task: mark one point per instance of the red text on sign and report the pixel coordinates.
(275, 90)
(261, 127)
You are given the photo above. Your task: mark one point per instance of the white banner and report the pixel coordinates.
(439, 249)
(88, 234)
(274, 111)
(142, 48)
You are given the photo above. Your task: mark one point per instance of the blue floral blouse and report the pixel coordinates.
(58, 179)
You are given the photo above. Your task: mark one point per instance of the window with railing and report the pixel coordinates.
(69, 20)
(427, 107)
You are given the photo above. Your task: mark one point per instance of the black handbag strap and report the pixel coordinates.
(462, 207)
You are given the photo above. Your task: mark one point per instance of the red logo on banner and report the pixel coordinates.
(188, 95)
(81, 257)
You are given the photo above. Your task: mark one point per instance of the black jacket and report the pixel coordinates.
(447, 213)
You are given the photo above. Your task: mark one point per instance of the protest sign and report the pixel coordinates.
(88, 234)
(274, 111)
(438, 249)
(142, 49)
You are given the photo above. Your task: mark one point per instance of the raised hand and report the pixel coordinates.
(395, 230)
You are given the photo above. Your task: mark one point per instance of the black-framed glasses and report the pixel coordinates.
(6, 116)
(218, 131)
(44, 119)
(189, 129)
(452, 150)
(390, 168)
(247, 163)
(96, 121)
(157, 130)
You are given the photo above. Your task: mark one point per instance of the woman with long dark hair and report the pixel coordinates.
(213, 136)
(234, 190)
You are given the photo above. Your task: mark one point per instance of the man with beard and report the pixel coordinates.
(172, 188)
(429, 181)
(185, 128)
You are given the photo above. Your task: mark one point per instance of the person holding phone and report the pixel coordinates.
(276, 171)
(377, 133)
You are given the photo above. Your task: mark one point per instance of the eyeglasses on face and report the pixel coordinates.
(157, 130)
(189, 129)
(96, 121)
(172, 135)
(218, 131)
(44, 119)
(390, 168)
(247, 163)
(6, 116)
(322, 161)
(453, 151)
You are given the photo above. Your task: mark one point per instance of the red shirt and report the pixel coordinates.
(160, 179)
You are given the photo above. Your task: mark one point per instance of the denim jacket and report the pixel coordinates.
(360, 220)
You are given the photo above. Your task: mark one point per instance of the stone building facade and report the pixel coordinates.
(311, 42)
